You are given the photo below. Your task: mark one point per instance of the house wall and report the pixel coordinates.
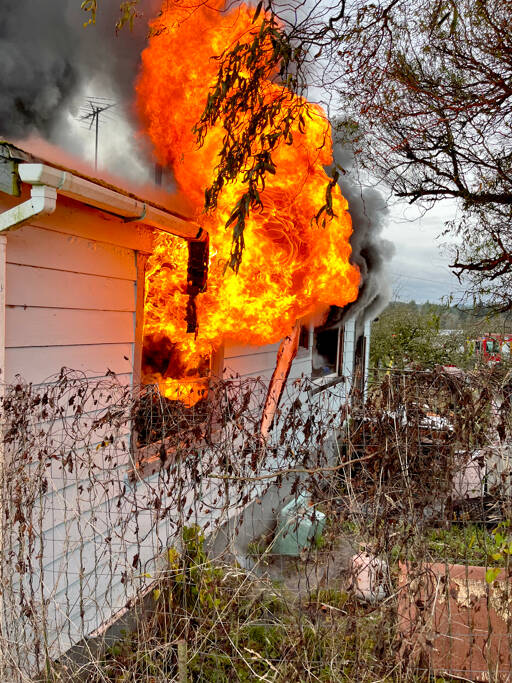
(260, 361)
(245, 362)
(250, 362)
(71, 294)
(349, 350)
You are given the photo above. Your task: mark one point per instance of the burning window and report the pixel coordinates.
(162, 364)
(327, 351)
(174, 356)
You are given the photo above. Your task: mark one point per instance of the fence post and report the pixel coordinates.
(3, 247)
(182, 661)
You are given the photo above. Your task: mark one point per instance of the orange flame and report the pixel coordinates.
(291, 267)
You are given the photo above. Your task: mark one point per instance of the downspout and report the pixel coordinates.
(43, 201)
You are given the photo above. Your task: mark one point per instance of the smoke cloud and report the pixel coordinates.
(48, 58)
(370, 252)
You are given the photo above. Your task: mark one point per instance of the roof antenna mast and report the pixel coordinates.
(94, 116)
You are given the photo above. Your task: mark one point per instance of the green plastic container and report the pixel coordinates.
(298, 525)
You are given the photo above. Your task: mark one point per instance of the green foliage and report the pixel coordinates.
(501, 552)
(90, 6)
(127, 13)
(471, 544)
(407, 336)
(249, 631)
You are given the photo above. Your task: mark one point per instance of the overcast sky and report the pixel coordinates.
(419, 268)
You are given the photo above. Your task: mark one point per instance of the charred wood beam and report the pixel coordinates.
(285, 355)
(197, 278)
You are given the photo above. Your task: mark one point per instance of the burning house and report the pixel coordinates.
(112, 283)
(78, 266)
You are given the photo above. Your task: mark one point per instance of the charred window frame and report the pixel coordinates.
(141, 263)
(327, 351)
(359, 375)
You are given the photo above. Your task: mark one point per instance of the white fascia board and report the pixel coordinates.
(106, 199)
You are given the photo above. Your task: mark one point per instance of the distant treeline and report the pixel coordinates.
(478, 320)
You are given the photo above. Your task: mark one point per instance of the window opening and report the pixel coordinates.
(360, 366)
(173, 408)
(327, 352)
(304, 337)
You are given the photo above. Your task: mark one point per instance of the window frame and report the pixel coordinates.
(147, 460)
(340, 354)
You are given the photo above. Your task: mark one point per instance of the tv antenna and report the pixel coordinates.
(94, 117)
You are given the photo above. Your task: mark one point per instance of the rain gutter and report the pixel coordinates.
(107, 199)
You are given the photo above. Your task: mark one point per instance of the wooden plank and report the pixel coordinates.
(64, 327)
(33, 286)
(139, 318)
(37, 247)
(37, 364)
(74, 218)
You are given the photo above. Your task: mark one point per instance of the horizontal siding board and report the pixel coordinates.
(78, 219)
(106, 465)
(63, 327)
(299, 369)
(237, 350)
(32, 246)
(253, 364)
(97, 607)
(35, 286)
(65, 502)
(37, 364)
(264, 375)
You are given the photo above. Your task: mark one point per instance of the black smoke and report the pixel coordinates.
(47, 58)
(370, 251)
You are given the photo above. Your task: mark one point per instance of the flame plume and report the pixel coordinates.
(291, 267)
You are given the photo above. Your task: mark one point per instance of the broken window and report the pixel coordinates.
(327, 351)
(360, 366)
(304, 337)
(173, 410)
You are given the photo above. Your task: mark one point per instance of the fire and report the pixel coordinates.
(291, 267)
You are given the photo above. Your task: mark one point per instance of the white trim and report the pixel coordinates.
(42, 202)
(107, 199)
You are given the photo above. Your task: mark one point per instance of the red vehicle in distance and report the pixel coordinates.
(493, 347)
